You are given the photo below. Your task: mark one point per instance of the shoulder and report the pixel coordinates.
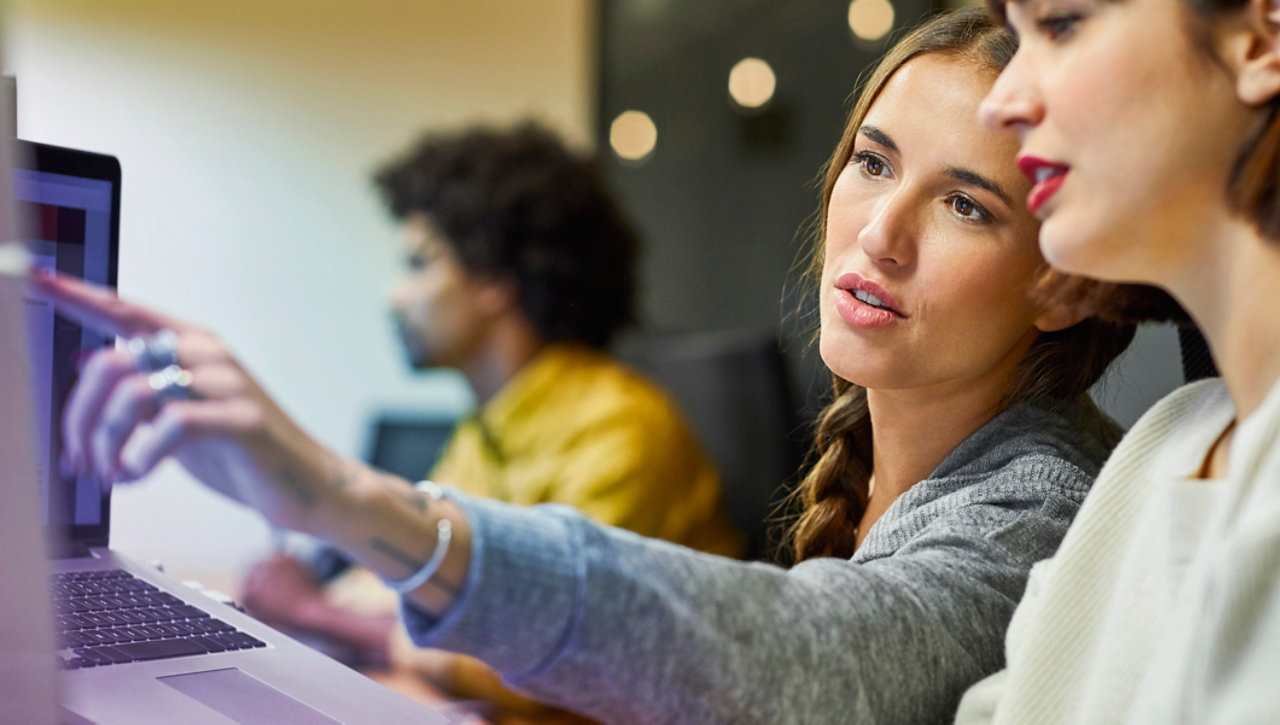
(1029, 449)
(600, 387)
(1017, 483)
(1186, 407)
(1188, 417)
(1051, 459)
(589, 398)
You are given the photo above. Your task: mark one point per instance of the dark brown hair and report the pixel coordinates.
(517, 202)
(1058, 366)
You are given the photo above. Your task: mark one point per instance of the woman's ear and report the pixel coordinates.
(1061, 315)
(1251, 45)
(1064, 299)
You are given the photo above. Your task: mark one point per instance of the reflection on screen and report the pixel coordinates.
(66, 223)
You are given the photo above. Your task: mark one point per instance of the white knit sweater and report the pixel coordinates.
(1163, 602)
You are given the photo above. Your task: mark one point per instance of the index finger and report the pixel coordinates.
(100, 308)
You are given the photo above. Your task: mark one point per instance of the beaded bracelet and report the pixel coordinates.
(444, 532)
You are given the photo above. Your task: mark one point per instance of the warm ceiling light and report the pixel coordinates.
(633, 135)
(751, 83)
(870, 19)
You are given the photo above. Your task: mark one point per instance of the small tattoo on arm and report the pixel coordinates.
(295, 488)
(341, 476)
(438, 582)
(395, 554)
(414, 497)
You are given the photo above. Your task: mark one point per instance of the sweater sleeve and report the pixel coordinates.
(628, 629)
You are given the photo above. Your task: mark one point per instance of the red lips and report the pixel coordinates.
(1046, 176)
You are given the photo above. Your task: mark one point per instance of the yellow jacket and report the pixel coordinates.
(576, 427)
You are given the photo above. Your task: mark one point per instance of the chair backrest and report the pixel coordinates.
(1197, 361)
(407, 444)
(733, 388)
(1163, 357)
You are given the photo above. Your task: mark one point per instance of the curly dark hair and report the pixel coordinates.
(517, 202)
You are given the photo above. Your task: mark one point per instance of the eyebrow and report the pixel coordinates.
(962, 175)
(975, 179)
(879, 137)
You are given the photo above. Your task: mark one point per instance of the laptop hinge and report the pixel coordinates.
(64, 549)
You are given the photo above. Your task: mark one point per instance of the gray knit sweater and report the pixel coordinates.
(633, 630)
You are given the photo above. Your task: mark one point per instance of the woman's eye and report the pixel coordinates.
(968, 209)
(1058, 26)
(872, 165)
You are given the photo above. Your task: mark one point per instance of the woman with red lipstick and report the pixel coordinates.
(1151, 129)
(957, 448)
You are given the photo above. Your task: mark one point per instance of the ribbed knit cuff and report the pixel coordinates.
(523, 594)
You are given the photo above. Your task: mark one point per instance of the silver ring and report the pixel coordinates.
(157, 352)
(172, 383)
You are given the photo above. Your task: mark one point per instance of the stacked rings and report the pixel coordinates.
(172, 383)
(156, 352)
(158, 356)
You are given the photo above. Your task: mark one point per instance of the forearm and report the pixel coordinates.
(629, 629)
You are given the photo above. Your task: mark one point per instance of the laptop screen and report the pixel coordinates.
(68, 204)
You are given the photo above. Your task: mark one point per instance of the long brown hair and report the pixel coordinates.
(1058, 366)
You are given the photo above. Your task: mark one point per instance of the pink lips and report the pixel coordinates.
(860, 314)
(1047, 177)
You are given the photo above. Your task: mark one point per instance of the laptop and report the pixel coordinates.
(134, 646)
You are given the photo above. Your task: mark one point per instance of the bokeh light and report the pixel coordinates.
(633, 135)
(752, 83)
(870, 19)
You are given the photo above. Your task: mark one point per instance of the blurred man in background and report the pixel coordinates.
(520, 272)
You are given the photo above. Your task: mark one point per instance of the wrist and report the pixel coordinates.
(395, 530)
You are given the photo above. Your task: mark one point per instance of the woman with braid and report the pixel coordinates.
(959, 445)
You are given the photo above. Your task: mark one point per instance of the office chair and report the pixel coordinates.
(734, 391)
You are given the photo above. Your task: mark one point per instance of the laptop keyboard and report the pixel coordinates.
(109, 617)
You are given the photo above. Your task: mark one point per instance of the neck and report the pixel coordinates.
(913, 430)
(505, 351)
(1230, 293)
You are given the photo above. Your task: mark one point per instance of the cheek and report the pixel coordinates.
(990, 294)
(421, 302)
(413, 301)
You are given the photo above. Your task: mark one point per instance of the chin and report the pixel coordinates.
(863, 373)
(851, 359)
(417, 357)
(1071, 248)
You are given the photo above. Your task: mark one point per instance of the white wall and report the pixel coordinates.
(246, 130)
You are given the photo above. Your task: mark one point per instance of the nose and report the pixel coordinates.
(889, 239)
(396, 295)
(1013, 103)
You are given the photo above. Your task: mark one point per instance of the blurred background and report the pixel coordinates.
(247, 130)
